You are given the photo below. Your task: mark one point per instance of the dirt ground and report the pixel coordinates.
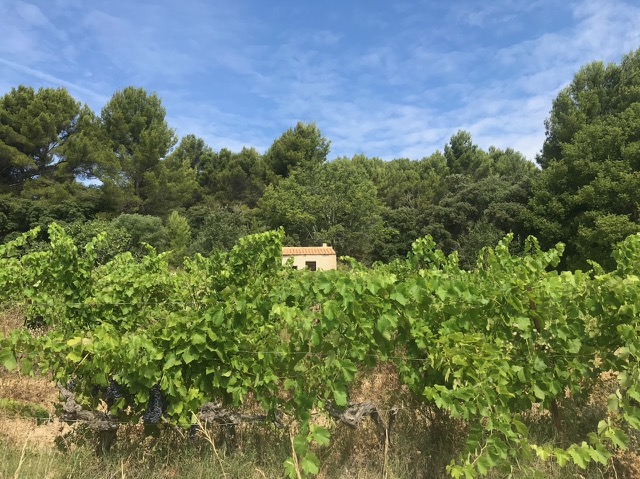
(11, 318)
(21, 431)
(27, 389)
(37, 391)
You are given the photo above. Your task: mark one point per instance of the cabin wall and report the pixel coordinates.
(323, 262)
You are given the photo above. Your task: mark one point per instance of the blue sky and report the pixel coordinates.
(385, 78)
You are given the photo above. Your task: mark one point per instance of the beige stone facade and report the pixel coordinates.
(314, 258)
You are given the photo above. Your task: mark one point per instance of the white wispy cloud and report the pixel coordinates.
(508, 111)
(135, 50)
(31, 14)
(52, 80)
(389, 81)
(548, 63)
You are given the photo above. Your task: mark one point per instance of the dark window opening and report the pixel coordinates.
(311, 265)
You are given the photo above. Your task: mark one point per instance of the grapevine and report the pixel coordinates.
(485, 346)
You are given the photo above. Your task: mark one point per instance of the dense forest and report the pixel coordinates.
(124, 171)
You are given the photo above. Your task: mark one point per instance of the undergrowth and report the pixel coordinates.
(258, 452)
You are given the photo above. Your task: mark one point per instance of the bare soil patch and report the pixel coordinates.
(11, 318)
(40, 391)
(23, 430)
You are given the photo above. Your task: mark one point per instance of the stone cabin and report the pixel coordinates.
(314, 258)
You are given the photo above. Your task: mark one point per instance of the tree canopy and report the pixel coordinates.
(587, 195)
(125, 168)
(35, 127)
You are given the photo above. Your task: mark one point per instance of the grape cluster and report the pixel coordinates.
(155, 406)
(114, 392)
(71, 385)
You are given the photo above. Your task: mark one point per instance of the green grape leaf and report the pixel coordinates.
(340, 397)
(7, 359)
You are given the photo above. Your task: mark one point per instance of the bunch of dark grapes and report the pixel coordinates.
(114, 392)
(155, 406)
(71, 385)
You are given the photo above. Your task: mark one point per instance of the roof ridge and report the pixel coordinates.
(300, 250)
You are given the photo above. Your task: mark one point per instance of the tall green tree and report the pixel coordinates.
(474, 197)
(231, 177)
(138, 135)
(169, 185)
(47, 142)
(35, 127)
(407, 189)
(465, 158)
(194, 150)
(588, 194)
(302, 146)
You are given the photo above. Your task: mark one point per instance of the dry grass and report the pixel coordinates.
(25, 430)
(424, 444)
(35, 390)
(381, 386)
(30, 430)
(11, 318)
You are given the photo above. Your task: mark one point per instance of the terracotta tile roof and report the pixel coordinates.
(301, 250)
